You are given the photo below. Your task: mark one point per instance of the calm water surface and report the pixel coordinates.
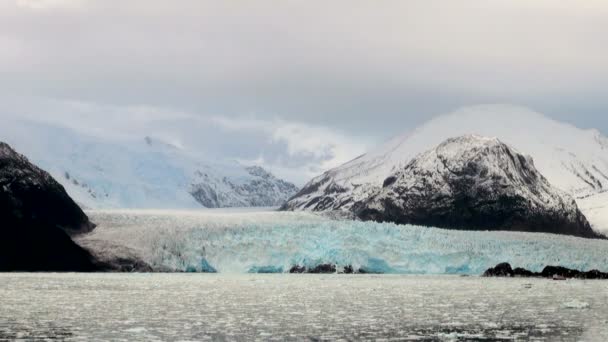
(200, 307)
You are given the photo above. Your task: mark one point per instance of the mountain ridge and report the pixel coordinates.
(143, 173)
(474, 182)
(573, 160)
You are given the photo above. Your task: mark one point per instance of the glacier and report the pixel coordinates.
(141, 172)
(254, 241)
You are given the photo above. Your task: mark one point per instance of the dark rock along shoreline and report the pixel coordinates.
(330, 268)
(505, 270)
(38, 218)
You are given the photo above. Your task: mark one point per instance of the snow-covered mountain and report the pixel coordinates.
(258, 189)
(143, 172)
(474, 182)
(572, 159)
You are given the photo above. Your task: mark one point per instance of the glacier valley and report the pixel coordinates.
(266, 241)
(141, 172)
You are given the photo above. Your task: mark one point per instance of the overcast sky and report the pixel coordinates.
(297, 86)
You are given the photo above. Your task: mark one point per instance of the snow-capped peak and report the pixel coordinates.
(572, 159)
(474, 182)
(481, 160)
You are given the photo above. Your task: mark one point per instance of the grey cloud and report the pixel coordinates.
(290, 149)
(364, 68)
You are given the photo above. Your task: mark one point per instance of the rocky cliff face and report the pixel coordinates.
(37, 218)
(472, 182)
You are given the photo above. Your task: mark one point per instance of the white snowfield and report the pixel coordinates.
(143, 173)
(572, 159)
(270, 241)
(595, 209)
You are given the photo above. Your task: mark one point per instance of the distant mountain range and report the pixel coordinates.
(148, 172)
(571, 159)
(143, 173)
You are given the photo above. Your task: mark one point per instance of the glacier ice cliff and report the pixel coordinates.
(270, 242)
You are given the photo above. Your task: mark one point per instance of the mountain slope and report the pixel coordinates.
(472, 182)
(142, 173)
(595, 209)
(571, 159)
(36, 218)
(262, 189)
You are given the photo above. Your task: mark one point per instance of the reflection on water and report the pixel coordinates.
(298, 307)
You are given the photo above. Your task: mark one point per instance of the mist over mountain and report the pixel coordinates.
(144, 172)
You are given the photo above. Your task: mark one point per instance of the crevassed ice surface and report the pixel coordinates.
(232, 241)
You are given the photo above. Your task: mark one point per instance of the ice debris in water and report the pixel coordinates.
(274, 242)
(575, 304)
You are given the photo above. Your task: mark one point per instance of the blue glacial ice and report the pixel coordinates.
(272, 242)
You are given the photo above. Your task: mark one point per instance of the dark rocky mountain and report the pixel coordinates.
(37, 218)
(473, 182)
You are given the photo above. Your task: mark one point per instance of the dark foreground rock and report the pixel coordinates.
(297, 269)
(501, 270)
(556, 272)
(33, 246)
(322, 268)
(37, 220)
(331, 268)
(126, 264)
